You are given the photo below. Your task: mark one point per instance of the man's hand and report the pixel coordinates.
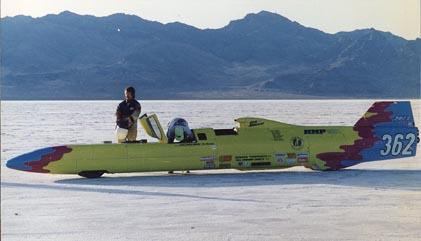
(130, 121)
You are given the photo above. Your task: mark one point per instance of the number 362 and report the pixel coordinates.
(395, 146)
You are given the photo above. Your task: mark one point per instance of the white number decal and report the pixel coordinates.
(397, 145)
(388, 139)
(396, 148)
(406, 150)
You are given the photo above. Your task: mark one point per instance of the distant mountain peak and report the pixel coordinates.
(270, 14)
(128, 16)
(17, 18)
(263, 19)
(67, 13)
(266, 15)
(62, 15)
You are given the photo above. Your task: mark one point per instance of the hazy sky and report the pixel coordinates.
(401, 17)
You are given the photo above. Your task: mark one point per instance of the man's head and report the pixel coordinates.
(130, 93)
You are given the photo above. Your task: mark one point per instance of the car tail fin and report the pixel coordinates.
(387, 131)
(388, 114)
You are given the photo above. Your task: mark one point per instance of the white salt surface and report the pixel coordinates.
(370, 201)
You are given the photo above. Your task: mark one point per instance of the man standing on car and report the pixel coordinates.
(127, 113)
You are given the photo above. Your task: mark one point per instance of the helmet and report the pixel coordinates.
(121, 133)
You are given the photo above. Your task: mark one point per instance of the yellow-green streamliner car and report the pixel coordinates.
(386, 131)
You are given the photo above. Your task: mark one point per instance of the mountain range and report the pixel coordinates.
(264, 55)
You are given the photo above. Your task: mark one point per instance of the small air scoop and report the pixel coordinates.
(252, 122)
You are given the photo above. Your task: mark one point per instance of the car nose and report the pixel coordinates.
(21, 162)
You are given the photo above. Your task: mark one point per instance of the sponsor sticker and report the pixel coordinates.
(244, 163)
(332, 131)
(291, 158)
(297, 142)
(207, 158)
(291, 155)
(314, 131)
(402, 118)
(302, 157)
(277, 136)
(256, 123)
(253, 158)
(281, 157)
(209, 165)
(225, 158)
(208, 162)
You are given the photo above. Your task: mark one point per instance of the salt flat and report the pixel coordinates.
(370, 201)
